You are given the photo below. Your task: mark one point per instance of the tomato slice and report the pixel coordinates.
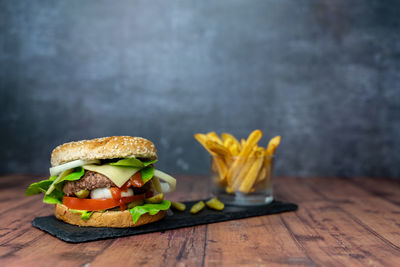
(98, 204)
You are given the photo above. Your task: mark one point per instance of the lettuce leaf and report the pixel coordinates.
(147, 173)
(57, 194)
(55, 197)
(73, 176)
(85, 215)
(39, 187)
(152, 209)
(132, 162)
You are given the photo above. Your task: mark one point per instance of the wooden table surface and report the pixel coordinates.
(340, 222)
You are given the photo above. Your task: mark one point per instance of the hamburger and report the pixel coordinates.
(106, 182)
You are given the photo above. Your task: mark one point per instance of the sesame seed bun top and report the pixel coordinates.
(104, 148)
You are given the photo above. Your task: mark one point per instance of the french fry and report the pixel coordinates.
(265, 172)
(235, 149)
(222, 151)
(221, 168)
(214, 136)
(273, 144)
(202, 139)
(251, 141)
(252, 174)
(265, 183)
(269, 152)
(242, 143)
(227, 136)
(240, 172)
(218, 162)
(228, 143)
(232, 146)
(218, 148)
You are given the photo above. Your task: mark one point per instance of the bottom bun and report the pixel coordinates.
(116, 219)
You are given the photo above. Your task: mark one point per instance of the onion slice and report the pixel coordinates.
(102, 193)
(171, 181)
(62, 175)
(157, 184)
(69, 165)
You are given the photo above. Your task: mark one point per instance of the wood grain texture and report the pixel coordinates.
(340, 222)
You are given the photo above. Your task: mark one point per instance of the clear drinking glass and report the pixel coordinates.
(243, 181)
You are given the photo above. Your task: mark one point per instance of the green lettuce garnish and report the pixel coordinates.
(147, 173)
(132, 162)
(85, 215)
(56, 195)
(73, 176)
(39, 187)
(152, 209)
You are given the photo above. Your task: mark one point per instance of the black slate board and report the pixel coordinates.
(75, 234)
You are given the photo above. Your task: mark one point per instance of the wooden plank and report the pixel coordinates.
(176, 247)
(20, 202)
(305, 230)
(46, 250)
(253, 241)
(305, 193)
(378, 216)
(16, 180)
(18, 221)
(12, 193)
(388, 189)
(295, 190)
(23, 244)
(183, 246)
(13, 187)
(331, 237)
(16, 210)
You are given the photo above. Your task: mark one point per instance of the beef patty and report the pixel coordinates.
(89, 181)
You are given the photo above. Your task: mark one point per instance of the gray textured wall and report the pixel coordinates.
(323, 74)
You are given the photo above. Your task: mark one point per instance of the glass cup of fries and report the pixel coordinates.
(241, 171)
(249, 184)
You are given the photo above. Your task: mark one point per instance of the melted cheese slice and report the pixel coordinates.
(118, 175)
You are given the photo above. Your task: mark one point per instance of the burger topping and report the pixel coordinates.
(99, 204)
(117, 174)
(135, 203)
(89, 181)
(70, 165)
(82, 193)
(113, 192)
(68, 175)
(136, 180)
(152, 209)
(171, 181)
(155, 199)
